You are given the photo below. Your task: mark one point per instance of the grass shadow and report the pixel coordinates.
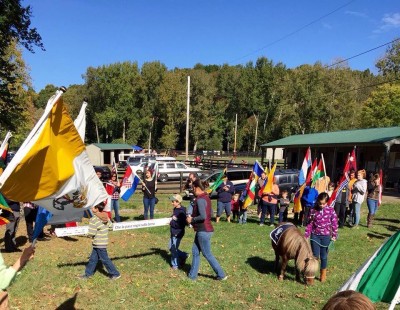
(112, 258)
(394, 221)
(163, 253)
(69, 304)
(124, 218)
(377, 235)
(67, 238)
(21, 240)
(261, 265)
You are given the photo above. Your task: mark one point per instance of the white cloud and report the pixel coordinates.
(389, 22)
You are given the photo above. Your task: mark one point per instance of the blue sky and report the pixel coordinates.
(78, 34)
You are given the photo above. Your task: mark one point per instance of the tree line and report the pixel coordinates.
(128, 103)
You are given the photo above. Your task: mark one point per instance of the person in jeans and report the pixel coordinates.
(201, 221)
(99, 231)
(149, 194)
(374, 190)
(115, 197)
(177, 228)
(225, 191)
(359, 189)
(322, 227)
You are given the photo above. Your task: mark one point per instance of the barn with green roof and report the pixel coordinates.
(376, 148)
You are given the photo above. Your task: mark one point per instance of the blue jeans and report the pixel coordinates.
(202, 243)
(100, 254)
(372, 206)
(357, 208)
(115, 207)
(271, 207)
(221, 206)
(149, 203)
(176, 254)
(319, 246)
(243, 216)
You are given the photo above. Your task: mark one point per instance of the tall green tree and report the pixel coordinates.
(15, 29)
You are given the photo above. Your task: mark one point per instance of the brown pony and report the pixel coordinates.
(293, 245)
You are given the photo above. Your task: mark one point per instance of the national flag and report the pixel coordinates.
(4, 151)
(6, 214)
(52, 168)
(353, 160)
(311, 172)
(270, 181)
(319, 172)
(252, 184)
(304, 167)
(297, 198)
(380, 187)
(378, 278)
(129, 184)
(217, 182)
(344, 180)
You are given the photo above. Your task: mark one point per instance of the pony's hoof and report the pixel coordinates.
(280, 278)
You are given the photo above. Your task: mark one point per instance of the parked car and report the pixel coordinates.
(105, 172)
(174, 171)
(238, 176)
(287, 179)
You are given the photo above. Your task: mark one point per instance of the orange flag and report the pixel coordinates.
(270, 181)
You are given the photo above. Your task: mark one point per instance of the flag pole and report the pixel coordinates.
(323, 163)
(187, 119)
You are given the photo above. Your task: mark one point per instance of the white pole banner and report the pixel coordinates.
(141, 224)
(83, 230)
(71, 231)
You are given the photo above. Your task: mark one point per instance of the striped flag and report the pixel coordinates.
(6, 214)
(252, 184)
(129, 184)
(217, 182)
(344, 180)
(319, 172)
(378, 278)
(304, 167)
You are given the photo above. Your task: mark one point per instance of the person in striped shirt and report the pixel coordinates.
(98, 230)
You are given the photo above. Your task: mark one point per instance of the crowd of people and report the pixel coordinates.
(320, 219)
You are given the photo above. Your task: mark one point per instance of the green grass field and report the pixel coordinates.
(142, 257)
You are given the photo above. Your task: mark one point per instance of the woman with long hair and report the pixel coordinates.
(149, 194)
(374, 190)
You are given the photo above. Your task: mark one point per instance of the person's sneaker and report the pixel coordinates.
(222, 279)
(271, 225)
(115, 277)
(261, 224)
(83, 277)
(173, 268)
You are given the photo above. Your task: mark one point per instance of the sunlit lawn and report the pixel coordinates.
(142, 257)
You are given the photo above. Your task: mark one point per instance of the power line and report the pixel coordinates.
(362, 53)
(293, 32)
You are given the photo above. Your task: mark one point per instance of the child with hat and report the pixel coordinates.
(177, 225)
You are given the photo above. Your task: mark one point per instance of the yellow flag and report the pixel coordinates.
(270, 181)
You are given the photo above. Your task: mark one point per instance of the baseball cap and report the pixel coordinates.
(176, 197)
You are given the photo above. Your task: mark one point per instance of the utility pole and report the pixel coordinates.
(187, 119)
(151, 129)
(234, 146)
(255, 138)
